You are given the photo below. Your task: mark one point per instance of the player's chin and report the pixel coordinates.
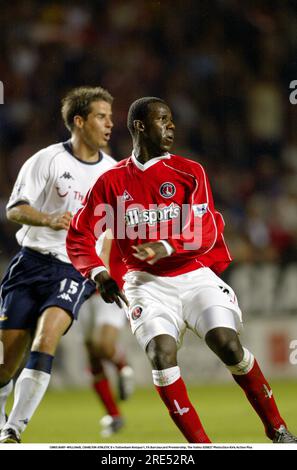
(96, 146)
(166, 145)
(102, 143)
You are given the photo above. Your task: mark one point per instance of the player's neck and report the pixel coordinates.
(143, 154)
(82, 151)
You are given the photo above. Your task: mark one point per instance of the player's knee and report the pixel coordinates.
(162, 359)
(161, 356)
(44, 343)
(226, 345)
(104, 350)
(231, 353)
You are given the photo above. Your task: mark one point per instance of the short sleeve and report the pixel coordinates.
(31, 180)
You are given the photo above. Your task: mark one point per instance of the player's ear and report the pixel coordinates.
(138, 125)
(78, 121)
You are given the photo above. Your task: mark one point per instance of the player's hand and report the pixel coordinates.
(60, 222)
(150, 252)
(109, 289)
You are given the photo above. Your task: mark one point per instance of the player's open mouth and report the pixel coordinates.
(169, 138)
(107, 136)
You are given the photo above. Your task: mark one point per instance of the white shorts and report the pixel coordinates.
(95, 312)
(168, 305)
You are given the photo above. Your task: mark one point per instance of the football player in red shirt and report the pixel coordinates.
(161, 211)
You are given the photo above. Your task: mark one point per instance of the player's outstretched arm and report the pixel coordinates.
(25, 214)
(109, 290)
(86, 227)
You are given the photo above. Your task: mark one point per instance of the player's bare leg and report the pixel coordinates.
(225, 343)
(162, 353)
(105, 345)
(113, 421)
(34, 379)
(15, 344)
(104, 341)
(52, 324)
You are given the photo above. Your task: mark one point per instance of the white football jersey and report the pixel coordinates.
(54, 181)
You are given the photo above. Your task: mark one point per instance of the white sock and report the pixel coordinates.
(245, 366)
(4, 394)
(165, 377)
(29, 391)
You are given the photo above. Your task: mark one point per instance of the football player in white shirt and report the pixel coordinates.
(41, 292)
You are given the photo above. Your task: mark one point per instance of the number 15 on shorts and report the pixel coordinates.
(68, 287)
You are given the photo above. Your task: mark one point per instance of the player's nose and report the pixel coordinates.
(109, 123)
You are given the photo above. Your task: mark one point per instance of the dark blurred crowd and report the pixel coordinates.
(224, 66)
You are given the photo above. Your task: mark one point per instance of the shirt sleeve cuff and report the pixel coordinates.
(96, 271)
(168, 247)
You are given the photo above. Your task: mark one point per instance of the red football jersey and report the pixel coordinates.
(117, 267)
(168, 198)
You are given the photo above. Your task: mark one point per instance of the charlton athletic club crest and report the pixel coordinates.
(136, 312)
(167, 189)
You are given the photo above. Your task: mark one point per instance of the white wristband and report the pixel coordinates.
(96, 271)
(168, 247)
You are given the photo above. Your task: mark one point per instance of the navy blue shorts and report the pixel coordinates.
(34, 282)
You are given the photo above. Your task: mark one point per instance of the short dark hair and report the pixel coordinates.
(77, 102)
(139, 110)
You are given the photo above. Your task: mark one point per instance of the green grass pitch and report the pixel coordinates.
(72, 416)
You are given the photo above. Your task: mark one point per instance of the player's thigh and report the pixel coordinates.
(85, 320)
(154, 308)
(213, 304)
(66, 289)
(95, 317)
(105, 334)
(52, 324)
(19, 303)
(108, 320)
(218, 319)
(62, 298)
(103, 342)
(14, 345)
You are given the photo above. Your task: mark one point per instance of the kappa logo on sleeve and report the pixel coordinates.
(67, 176)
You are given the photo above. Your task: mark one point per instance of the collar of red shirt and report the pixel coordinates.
(145, 166)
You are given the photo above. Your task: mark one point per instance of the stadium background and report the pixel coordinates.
(225, 67)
